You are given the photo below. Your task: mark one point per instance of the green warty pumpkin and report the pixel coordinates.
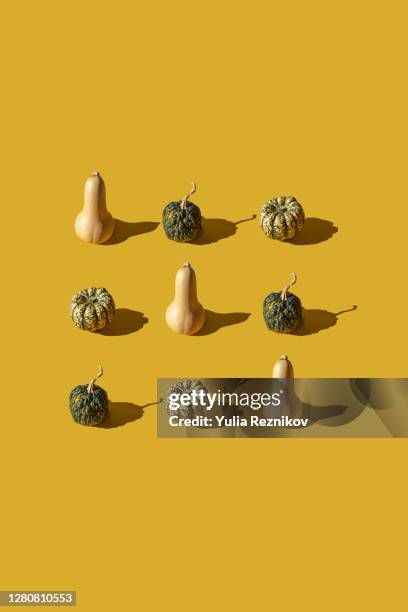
(190, 410)
(282, 218)
(92, 309)
(89, 404)
(282, 310)
(182, 220)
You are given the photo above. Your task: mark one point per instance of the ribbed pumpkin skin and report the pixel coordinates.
(282, 218)
(189, 411)
(182, 224)
(283, 316)
(89, 408)
(92, 309)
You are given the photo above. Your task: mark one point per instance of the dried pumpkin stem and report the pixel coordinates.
(93, 381)
(183, 202)
(284, 293)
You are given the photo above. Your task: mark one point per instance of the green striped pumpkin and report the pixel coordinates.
(282, 218)
(92, 309)
(89, 404)
(282, 310)
(182, 220)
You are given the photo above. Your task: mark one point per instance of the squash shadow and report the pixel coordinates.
(125, 230)
(216, 320)
(379, 393)
(125, 321)
(214, 230)
(121, 413)
(315, 414)
(314, 231)
(315, 320)
(331, 416)
(336, 416)
(327, 415)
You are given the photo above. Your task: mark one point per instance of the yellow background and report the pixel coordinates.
(251, 100)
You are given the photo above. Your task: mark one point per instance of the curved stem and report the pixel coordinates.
(284, 293)
(91, 384)
(183, 202)
(344, 311)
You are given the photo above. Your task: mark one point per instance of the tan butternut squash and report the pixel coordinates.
(94, 224)
(185, 315)
(290, 403)
(282, 368)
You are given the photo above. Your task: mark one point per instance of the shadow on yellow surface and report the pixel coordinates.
(125, 321)
(125, 230)
(295, 406)
(121, 413)
(332, 415)
(216, 320)
(214, 230)
(315, 320)
(314, 231)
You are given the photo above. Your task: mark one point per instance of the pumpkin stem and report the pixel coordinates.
(91, 384)
(284, 293)
(183, 202)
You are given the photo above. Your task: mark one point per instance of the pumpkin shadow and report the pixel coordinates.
(121, 413)
(216, 320)
(315, 320)
(125, 322)
(314, 231)
(125, 230)
(214, 230)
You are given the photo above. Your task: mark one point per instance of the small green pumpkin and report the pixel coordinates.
(92, 309)
(282, 310)
(190, 410)
(282, 218)
(89, 404)
(182, 220)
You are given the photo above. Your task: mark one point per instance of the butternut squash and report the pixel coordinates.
(185, 315)
(282, 368)
(290, 404)
(94, 224)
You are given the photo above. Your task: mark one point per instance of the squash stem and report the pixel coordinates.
(183, 202)
(284, 293)
(91, 384)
